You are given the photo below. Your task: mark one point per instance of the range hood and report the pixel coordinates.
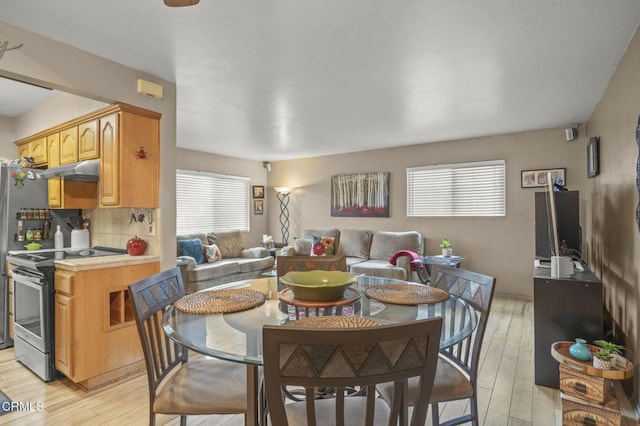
(88, 170)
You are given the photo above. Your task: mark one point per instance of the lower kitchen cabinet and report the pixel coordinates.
(96, 339)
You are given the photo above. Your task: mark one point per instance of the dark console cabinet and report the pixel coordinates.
(563, 309)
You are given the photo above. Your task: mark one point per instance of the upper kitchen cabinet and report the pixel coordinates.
(69, 145)
(88, 142)
(68, 194)
(36, 148)
(126, 140)
(129, 158)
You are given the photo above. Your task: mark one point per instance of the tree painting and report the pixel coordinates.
(360, 195)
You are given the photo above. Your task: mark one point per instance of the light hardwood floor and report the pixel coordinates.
(507, 394)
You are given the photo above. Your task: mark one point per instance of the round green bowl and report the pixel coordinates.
(318, 286)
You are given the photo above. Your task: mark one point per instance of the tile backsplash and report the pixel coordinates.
(114, 227)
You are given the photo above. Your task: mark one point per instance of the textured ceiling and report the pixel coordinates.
(280, 79)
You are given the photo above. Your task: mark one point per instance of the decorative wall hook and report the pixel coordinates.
(141, 154)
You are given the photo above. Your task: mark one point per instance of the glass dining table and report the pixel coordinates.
(237, 337)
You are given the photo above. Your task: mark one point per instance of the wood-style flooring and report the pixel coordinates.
(507, 394)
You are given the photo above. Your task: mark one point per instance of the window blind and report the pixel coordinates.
(464, 189)
(210, 202)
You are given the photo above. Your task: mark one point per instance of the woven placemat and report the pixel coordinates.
(407, 294)
(333, 322)
(220, 301)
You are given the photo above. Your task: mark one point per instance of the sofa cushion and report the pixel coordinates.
(192, 248)
(385, 244)
(211, 271)
(322, 246)
(323, 232)
(212, 253)
(355, 242)
(199, 235)
(230, 243)
(250, 265)
(379, 268)
(302, 247)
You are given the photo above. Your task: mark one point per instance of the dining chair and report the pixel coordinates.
(178, 385)
(457, 370)
(344, 359)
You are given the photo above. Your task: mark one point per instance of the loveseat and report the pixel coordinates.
(224, 259)
(377, 253)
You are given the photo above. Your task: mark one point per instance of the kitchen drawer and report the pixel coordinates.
(64, 282)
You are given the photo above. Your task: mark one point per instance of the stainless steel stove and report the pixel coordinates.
(33, 305)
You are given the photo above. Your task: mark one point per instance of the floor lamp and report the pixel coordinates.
(283, 196)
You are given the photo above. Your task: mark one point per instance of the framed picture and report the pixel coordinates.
(593, 157)
(258, 206)
(538, 178)
(258, 191)
(360, 195)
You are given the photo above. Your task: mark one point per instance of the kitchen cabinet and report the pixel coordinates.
(24, 150)
(88, 143)
(127, 178)
(96, 338)
(69, 145)
(67, 194)
(38, 150)
(125, 139)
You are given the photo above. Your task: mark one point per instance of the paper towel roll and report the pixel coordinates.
(79, 239)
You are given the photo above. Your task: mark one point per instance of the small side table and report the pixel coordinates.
(586, 392)
(427, 261)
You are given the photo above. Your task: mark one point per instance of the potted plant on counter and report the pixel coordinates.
(605, 357)
(447, 247)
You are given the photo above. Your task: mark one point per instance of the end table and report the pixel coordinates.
(427, 261)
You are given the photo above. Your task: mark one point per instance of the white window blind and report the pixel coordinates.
(464, 189)
(208, 202)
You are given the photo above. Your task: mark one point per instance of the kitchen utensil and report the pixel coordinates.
(70, 226)
(76, 221)
(33, 246)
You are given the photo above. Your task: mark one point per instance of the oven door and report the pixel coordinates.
(28, 307)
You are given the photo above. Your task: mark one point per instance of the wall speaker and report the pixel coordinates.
(571, 133)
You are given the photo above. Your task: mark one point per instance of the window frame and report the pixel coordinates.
(463, 199)
(205, 192)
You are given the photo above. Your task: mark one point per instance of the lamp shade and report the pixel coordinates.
(283, 189)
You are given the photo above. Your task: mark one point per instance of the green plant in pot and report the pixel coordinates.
(447, 247)
(604, 358)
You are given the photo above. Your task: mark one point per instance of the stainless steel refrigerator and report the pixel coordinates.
(32, 194)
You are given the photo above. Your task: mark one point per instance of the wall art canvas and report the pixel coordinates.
(360, 195)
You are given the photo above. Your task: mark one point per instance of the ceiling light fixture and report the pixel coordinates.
(181, 3)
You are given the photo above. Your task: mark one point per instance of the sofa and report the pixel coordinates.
(224, 259)
(384, 254)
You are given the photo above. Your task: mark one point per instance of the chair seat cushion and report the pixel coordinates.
(203, 386)
(449, 384)
(354, 408)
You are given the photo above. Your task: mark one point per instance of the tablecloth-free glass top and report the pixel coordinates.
(237, 336)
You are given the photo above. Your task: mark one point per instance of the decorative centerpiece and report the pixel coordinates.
(319, 286)
(447, 247)
(604, 358)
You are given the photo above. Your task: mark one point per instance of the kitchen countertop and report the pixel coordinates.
(102, 262)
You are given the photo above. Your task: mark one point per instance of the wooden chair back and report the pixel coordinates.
(151, 296)
(347, 358)
(477, 290)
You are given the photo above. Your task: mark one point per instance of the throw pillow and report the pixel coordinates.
(192, 248)
(321, 246)
(212, 253)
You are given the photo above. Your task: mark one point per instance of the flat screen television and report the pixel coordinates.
(568, 219)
